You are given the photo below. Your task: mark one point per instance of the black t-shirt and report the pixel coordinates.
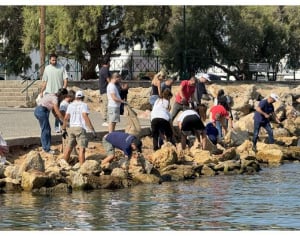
(103, 75)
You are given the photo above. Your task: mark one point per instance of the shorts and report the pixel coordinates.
(113, 114)
(191, 123)
(77, 135)
(109, 148)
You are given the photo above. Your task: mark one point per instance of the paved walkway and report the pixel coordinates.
(18, 126)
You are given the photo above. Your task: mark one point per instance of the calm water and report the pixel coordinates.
(269, 200)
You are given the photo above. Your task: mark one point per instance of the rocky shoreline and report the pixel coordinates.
(30, 169)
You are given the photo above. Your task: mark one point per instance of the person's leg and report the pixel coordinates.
(103, 103)
(183, 140)
(71, 142)
(111, 127)
(155, 133)
(269, 130)
(42, 114)
(175, 110)
(219, 128)
(81, 155)
(255, 134)
(110, 151)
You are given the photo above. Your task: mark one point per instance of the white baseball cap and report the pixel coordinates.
(79, 94)
(274, 96)
(205, 76)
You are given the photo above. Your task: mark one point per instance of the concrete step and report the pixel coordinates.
(13, 103)
(13, 98)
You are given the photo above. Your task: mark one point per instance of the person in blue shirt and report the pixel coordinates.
(262, 116)
(125, 142)
(212, 132)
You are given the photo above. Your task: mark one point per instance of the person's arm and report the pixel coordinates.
(183, 98)
(259, 110)
(66, 121)
(88, 122)
(57, 112)
(43, 87)
(115, 98)
(65, 83)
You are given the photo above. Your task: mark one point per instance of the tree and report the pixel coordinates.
(92, 32)
(12, 58)
(225, 36)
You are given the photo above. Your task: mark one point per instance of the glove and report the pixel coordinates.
(64, 134)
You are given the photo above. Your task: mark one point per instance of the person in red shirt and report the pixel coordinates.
(184, 96)
(219, 113)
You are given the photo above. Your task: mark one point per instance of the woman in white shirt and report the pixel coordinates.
(161, 120)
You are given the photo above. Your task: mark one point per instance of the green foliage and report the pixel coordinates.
(12, 58)
(232, 36)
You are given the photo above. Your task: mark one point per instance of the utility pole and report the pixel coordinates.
(42, 39)
(184, 52)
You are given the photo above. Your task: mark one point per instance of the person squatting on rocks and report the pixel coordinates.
(227, 102)
(104, 77)
(54, 77)
(218, 113)
(49, 102)
(161, 123)
(190, 123)
(78, 120)
(263, 114)
(184, 96)
(114, 102)
(129, 144)
(156, 91)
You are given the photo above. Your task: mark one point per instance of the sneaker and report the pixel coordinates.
(57, 130)
(104, 124)
(52, 152)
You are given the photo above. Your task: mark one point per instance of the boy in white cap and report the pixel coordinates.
(264, 112)
(77, 116)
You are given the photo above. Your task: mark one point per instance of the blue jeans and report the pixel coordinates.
(42, 115)
(267, 127)
(219, 128)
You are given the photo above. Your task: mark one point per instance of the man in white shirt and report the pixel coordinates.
(114, 102)
(77, 116)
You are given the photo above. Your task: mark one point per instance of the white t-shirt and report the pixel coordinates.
(161, 110)
(112, 88)
(75, 109)
(64, 105)
(186, 113)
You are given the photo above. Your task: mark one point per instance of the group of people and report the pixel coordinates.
(71, 112)
(192, 120)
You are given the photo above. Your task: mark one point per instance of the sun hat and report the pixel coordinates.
(79, 94)
(274, 96)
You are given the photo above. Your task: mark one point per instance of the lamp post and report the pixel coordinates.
(184, 47)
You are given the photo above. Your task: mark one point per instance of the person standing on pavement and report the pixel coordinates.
(78, 120)
(184, 96)
(54, 77)
(104, 77)
(49, 102)
(114, 102)
(262, 116)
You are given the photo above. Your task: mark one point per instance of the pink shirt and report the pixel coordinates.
(48, 101)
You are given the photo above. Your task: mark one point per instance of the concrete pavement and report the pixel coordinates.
(18, 126)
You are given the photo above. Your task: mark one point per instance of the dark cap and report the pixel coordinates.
(138, 143)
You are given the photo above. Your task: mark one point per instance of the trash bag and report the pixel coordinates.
(133, 124)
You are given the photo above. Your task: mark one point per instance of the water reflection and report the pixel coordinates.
(265, 201)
